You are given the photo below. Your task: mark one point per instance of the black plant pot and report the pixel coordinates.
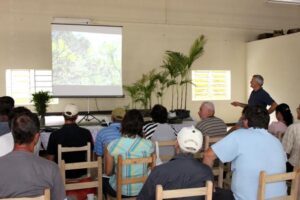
(182, 114)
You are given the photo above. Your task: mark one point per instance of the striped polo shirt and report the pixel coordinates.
(212, 126)
(130, 148)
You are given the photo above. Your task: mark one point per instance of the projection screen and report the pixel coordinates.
(86, 61)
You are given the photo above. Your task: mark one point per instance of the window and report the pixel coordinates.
(21, 83)
(211, 85)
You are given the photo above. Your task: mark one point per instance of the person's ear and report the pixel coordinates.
(245, 123)
(36, 138)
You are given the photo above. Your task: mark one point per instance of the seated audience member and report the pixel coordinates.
(183, 171)
(209, 124)
(7, 140)
(70, 135)
(291, 144)
(251, 150)
(239, 124)
(130, 145)
(284, 117)
(159, 115)
(108, 134)
(24, 174)
(160, 130)
(6, 105)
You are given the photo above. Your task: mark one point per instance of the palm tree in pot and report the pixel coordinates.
(179, 66)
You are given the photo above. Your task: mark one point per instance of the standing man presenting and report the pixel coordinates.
(258, 95)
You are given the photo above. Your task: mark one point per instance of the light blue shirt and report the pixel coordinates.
(105, 136)
(251, 151)
(130, 148)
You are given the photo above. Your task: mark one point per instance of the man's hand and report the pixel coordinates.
(209, 157)
(236, 103)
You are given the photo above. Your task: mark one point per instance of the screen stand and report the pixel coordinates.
(88, 117)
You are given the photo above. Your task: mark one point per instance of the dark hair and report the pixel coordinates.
(24, 128)
(16, 112)
(257, 116)
(159, 114)
(7, 100)
(5, 109)
(132, 123)
(285, 111)
(6, 105)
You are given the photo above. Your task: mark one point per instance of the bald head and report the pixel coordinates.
(207, 109)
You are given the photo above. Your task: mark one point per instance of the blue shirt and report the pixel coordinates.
(251, 151)
(4, 128)
(183, 171)
(105, 136)
(260, 97)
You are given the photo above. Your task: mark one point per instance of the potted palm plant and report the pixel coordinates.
(179, 66)
(40, 101)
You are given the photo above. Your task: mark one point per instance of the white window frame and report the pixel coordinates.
(34, 80)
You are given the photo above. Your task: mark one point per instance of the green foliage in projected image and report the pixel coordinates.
(77, 61)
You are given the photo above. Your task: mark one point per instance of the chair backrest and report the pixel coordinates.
(97, 183)
(124, 181)
(189, 192)
(265, 179)
(46, 196)
(62, 150)
(86, 148)
(209, 140)
(167, 143)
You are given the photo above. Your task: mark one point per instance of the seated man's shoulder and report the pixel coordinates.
(295, 126)
(46, 163)
(82, 129)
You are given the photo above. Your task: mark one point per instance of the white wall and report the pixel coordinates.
(277, 59)
(150, 28)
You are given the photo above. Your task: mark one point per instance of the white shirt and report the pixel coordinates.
(291, 143)
(6, 144)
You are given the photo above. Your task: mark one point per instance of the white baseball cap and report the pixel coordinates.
(71, 110)
(190, 139)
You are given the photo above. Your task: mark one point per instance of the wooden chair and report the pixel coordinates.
(62, 150)
(83, 185)
(167, 143)
(125, 181)
(264, 179)
(46, 196)
(219, 170)
(209, 140)
(180, 193)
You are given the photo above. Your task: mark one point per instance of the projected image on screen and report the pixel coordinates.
(86, 60)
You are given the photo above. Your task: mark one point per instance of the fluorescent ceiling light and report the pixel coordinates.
(293, 2)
